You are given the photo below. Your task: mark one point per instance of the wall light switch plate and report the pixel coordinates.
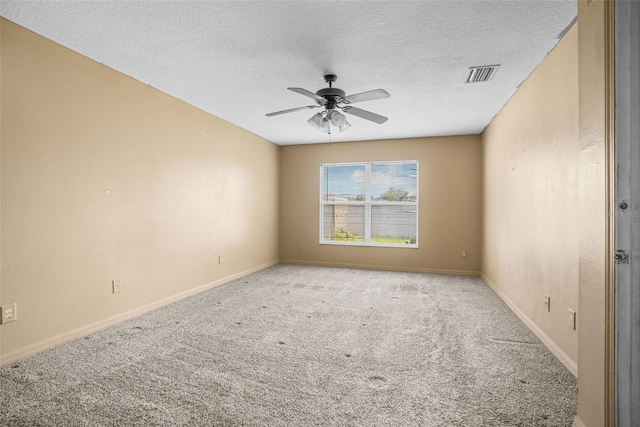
(572, 319)
(547, 302)
(9, 314)
(116, 286)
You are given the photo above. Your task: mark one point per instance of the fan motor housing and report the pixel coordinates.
(333, 95)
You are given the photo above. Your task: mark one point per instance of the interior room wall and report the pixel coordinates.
(594, 37)
(450, 193)
(0, 184)
(106, 178)
(531, 205)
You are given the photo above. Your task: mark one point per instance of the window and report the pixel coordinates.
(370, 204)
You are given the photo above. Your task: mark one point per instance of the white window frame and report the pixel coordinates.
(367, 203)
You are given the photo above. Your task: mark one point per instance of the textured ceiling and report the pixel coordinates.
(235, 59)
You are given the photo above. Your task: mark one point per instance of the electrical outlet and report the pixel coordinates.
(572, 319)
(464, 254)
(116, 286)
(219, 259)
(547, 302)
(9, 314)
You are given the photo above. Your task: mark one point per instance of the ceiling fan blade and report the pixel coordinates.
(364, 114)
(367, 96)
(291, 110)
(307, 93)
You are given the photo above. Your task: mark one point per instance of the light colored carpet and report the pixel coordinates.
(303, 346)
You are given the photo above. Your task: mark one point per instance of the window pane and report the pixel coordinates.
(343, 183)
(393, 224)
(343, 223)
(394, 182)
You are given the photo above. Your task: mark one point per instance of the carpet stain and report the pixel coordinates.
(281, 342)
(347, 355)
(377, 382)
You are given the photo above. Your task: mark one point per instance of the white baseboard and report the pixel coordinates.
(577, 422)
(548, 342)
(48, 343)
(379, 267)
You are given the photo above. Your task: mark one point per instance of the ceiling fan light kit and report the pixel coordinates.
(332, 99)
(338, 120)
(319, 122)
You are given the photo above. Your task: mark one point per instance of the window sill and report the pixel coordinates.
(374, 245)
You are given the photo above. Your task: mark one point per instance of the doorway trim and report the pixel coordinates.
(626, 208)
(610, 168)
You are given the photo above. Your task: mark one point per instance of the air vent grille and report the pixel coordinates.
(481, 74)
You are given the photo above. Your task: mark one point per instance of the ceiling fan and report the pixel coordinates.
(334, 99)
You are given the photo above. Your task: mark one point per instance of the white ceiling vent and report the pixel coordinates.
(481, 74)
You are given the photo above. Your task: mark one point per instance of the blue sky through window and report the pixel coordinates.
(340, 181)
(348, 181)
(394, 175)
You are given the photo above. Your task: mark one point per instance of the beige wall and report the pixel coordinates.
(450, 174)
(104, 178)
(531, 206)
(1, 22)
(593, 204)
